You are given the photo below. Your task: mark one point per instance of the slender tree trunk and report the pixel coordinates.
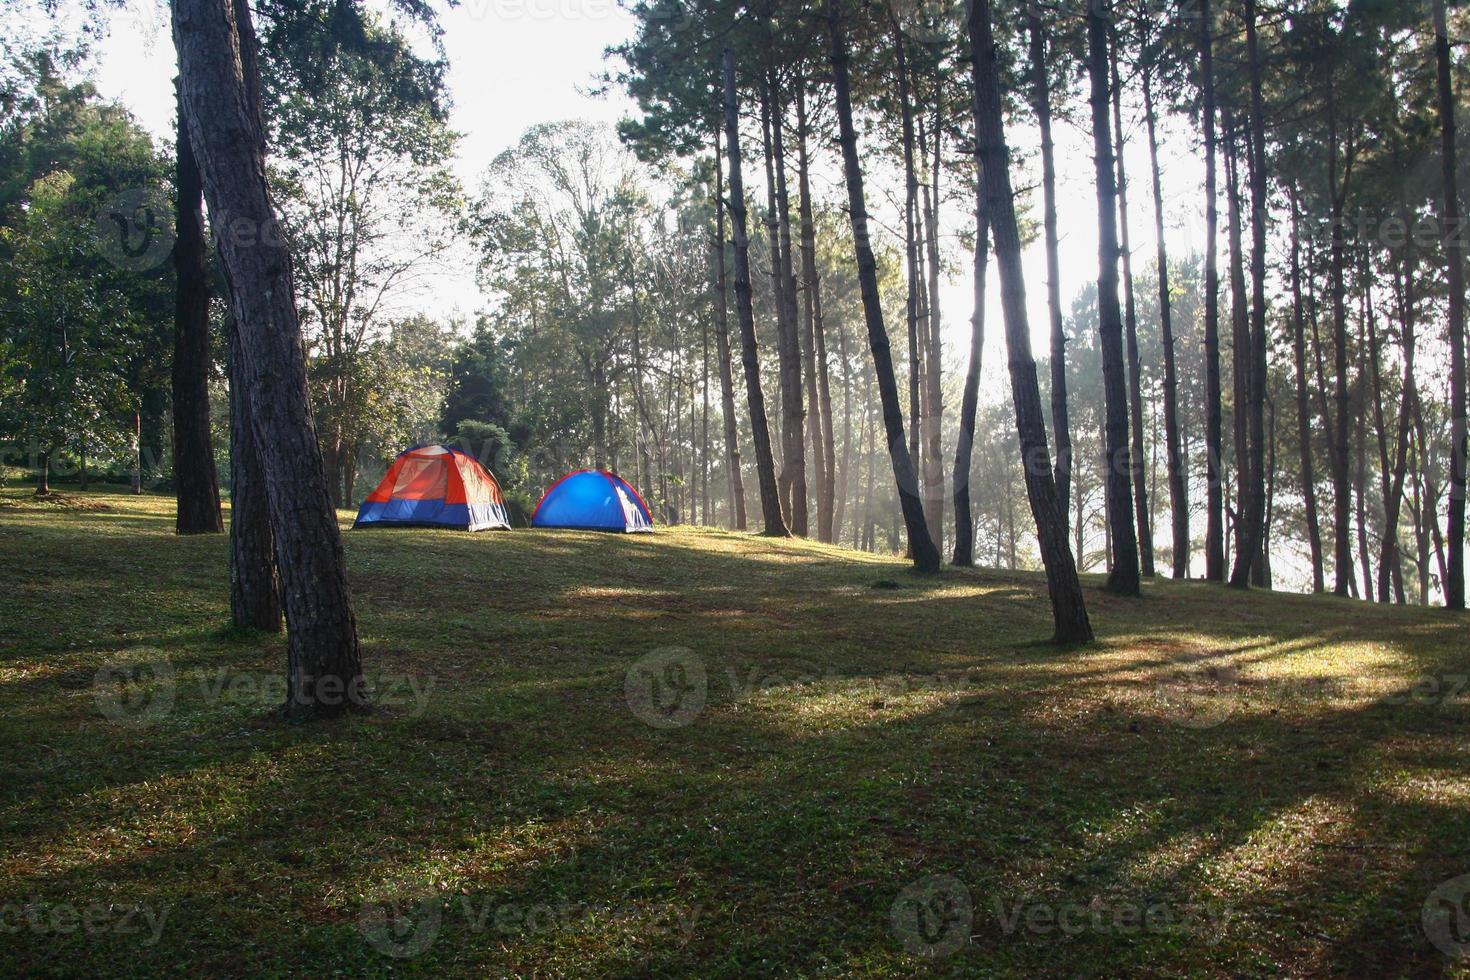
(1041, 104)
(925, 555)
(43, 467)
(792, 403)
(1239, 330)
(220, 102)
(1303, 406)
(814, 350)
(1253, 506)
(1392, 468)
(1455, 239)
(195, 482)
(1123, 576)
(1360, 478)
(933, 450)
(765, 464)
(792, 477)
(843, 479)
(1130, 319)
(1178, 487)
(1214, 447)
(911, 248)
(996, 199)
(722, 352)
(964, 523)
(136, 477)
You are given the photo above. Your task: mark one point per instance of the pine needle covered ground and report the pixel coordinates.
(706, 754)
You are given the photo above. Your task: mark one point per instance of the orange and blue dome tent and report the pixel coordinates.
(593, 500)
(435, 486)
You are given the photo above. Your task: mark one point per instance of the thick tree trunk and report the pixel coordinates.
(1303, 405)
(1178, 486)
(925, 555)
(1214, 446)
(1253, 506)
(1455, 239)
(765, 464)
(1041, 104)
(195, 481)
(43, 468)
(964, 523)
(722, 351)
(324, 675)
(814, 347)
(997, 200)
(1123, 577)
(255, 594)
(1141, 512)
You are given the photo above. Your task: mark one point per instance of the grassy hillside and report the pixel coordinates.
(706, 754)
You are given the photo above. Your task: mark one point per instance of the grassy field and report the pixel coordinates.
(707, 754)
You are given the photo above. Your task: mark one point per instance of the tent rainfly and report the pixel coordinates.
(435, 486)
(593, 500)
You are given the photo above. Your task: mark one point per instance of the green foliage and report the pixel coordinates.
(84, 328)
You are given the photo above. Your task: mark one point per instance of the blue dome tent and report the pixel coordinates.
(593, 500)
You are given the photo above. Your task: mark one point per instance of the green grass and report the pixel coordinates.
(1226, 784)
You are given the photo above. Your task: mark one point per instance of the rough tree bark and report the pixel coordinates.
(324, 675)
(1123, 577)
(255, 593)
(196, 483)
(722, 351)
(765, 464)
(925, 555)
(995, 198)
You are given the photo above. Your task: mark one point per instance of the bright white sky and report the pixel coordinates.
(514, 63)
